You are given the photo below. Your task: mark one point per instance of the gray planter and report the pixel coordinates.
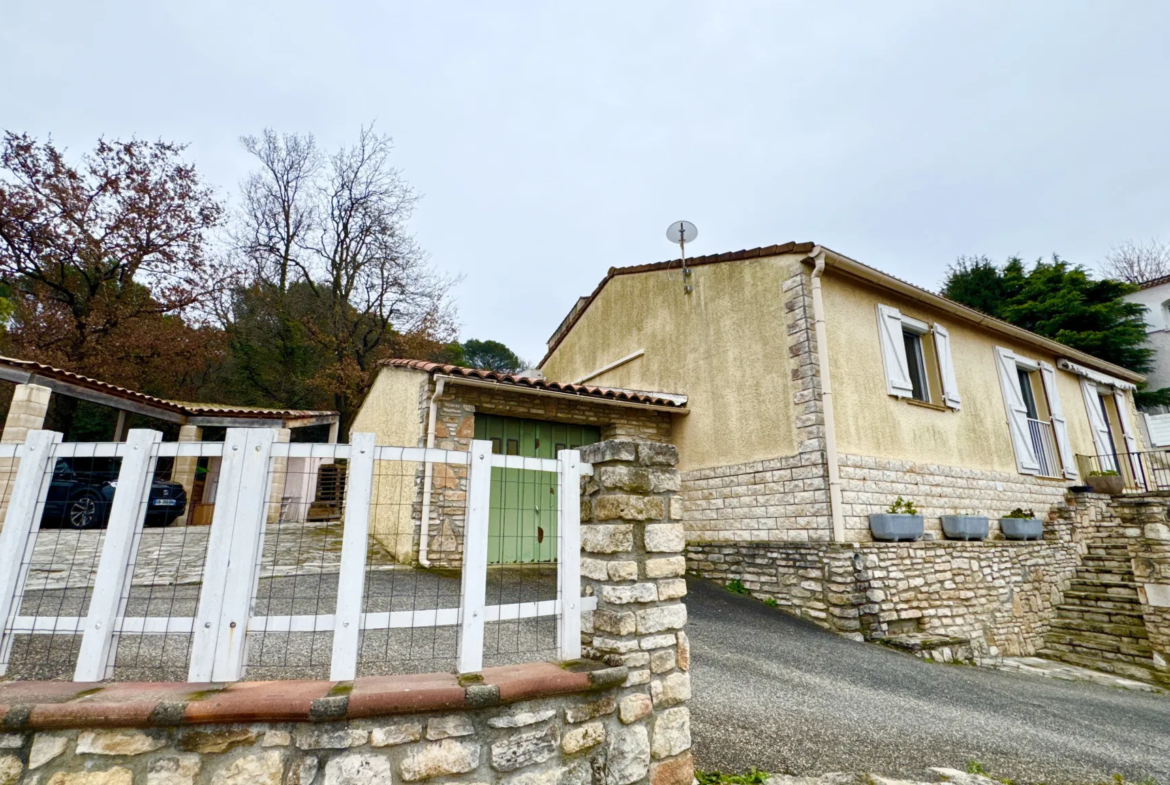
(894, 528)
(1022, 528)
(965, 527)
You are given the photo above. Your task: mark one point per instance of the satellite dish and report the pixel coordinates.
(681, 232)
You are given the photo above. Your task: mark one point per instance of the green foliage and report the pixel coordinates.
(771, 602)
(753, 777)
(490, 356)
(1059, 301)
(736, 587)
(1020, 512)
(1106, 473)
(975, 767)
(902, 507)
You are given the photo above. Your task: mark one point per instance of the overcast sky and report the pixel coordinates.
(551, 142)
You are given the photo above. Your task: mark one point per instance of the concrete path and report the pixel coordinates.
(783, 695)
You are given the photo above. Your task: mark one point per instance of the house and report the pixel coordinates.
(418, 511)
(1154, 295)
(821, 389)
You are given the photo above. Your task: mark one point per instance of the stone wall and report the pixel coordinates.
(871, 484)
(633, 540)
(598, 737)
(996, 594)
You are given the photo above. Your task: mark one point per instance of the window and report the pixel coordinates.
(916, 363)
(1036, 424)
(1028, 393)
(917, 359)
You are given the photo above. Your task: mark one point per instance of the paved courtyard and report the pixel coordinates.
(781, 694)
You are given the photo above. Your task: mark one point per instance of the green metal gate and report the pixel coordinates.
(522, 526)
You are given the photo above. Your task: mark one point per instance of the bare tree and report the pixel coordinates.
(277, 212)
(1136, 262)
(334, 270)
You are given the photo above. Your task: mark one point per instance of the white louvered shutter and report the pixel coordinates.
(1127, 431)
(1098, 426)
(1059, 425)
(1017, 411)
(894, 352)
(946, 366)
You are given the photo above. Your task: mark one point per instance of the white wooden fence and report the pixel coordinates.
(223, 623)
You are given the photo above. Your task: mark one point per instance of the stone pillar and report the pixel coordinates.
(1150, 557)
(30, 404)
(633, 543)
(279, 473)
(183, 469)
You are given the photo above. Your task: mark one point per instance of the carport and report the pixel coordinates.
(295, 484)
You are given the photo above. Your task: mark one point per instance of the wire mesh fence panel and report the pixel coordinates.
(523, 546)
(60, 562)
(290, 635)
(166, 569)
(410, 614)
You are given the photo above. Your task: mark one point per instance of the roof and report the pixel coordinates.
(1150, 284)
(182, 408)
(865, 272)
(522, 383)
(583, 303)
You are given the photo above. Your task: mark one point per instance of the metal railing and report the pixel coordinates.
(1141, 472)
(1044, 444)
(276, 595)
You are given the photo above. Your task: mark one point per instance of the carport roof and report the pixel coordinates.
(86, 388)
(616, 395)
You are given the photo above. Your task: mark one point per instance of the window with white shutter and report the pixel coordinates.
(1102, 440)
(1059, 424)
(1017, 411)
(898, 382)
(946, 366)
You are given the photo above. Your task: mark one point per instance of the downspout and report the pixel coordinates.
(424, 534)
(836, 507)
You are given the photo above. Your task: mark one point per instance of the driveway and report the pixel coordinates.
(781, 694)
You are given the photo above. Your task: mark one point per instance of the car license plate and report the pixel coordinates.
(164, 502)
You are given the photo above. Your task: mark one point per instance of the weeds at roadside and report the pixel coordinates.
(736, 587)
(753, 777)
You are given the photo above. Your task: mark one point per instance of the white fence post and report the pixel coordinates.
(569, 555)
(233, 556)
(351, 581)
(20, 526)
(116, 568)
(475, 552)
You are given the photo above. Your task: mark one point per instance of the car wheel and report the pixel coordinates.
(83, 512)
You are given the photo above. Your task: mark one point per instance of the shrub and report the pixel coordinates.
(1021, 513)
(902, 507)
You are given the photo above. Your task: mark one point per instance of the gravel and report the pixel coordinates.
(783, 695)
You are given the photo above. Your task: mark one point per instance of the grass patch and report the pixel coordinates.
(752, 777)
(735, 587)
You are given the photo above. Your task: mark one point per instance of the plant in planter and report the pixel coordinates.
(900, 522)
(1108, 481)
(968, 526)
(1021, 524)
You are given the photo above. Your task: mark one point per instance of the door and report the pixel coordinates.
(522, 522)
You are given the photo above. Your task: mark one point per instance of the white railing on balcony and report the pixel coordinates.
(1044, 444)
(208, 594)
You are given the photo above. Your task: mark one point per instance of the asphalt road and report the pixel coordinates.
(780, 694)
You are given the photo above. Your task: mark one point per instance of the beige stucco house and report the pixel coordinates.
(820, 389)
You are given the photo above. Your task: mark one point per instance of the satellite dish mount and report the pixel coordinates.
(683, 232)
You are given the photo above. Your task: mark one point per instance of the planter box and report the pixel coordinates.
(1112, 484)
(895, 528)
(1022, 528)
(965, 527)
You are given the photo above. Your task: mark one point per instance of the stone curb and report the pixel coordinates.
(62, 705)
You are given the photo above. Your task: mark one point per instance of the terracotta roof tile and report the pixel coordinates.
(514, 380)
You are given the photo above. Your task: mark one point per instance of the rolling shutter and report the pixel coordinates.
(946, 366)
(1017, 411)
(1059, 425)
(894, 352)
(1098, 426)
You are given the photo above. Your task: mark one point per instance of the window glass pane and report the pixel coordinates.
(917, 365)
(1029, 395)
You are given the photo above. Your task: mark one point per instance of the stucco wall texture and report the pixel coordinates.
(724, 346)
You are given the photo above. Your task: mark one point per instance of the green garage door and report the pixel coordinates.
(523, 520)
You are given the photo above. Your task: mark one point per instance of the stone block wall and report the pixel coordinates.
(633, 541)
(997, 594)
(576, 740)
(870, 485)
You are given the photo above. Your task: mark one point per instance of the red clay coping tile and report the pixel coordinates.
(55, 705)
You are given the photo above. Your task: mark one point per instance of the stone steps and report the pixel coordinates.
(1123, 632)
(1131, 668)
(1131, 614)
(1103, 600)
(1120, 588)
(1099, 642)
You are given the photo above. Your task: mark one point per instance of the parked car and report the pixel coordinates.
(82, 490)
